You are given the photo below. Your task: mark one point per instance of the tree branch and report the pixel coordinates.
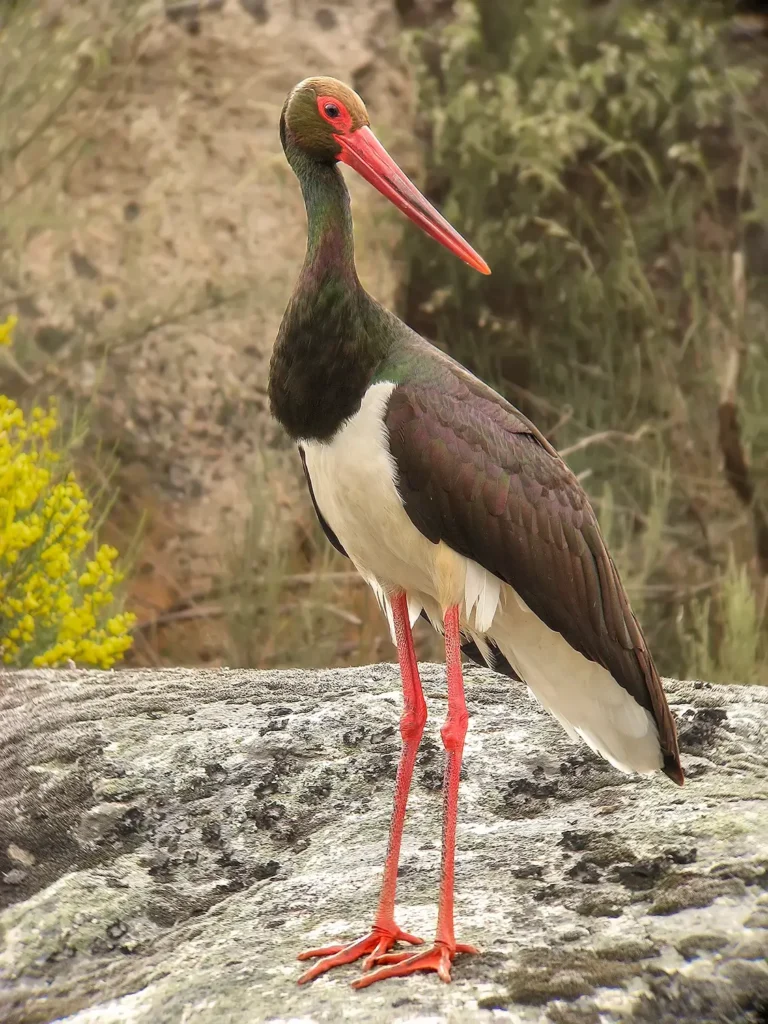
(602, 437)
(735, 465)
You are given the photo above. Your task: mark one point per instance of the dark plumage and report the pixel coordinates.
(475, 473)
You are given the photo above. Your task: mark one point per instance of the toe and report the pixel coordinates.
(316, 970)
(391, 971)
(311, 954)
(397, 965)
(381, 948)
(464, 947)
(444, 967)
(392, 958)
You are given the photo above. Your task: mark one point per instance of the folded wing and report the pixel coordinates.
(475, 474)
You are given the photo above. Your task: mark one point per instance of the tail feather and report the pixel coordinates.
(582, 695)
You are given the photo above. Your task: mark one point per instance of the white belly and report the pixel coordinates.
(354, 480)
(353, 477)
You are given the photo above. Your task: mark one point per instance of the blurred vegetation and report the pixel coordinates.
(60, 588)
(54, 598)
(283, 596)
(609, 162)
(63, 75)
(292, 599)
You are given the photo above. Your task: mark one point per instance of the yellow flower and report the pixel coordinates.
(52, 596)
(6, 330)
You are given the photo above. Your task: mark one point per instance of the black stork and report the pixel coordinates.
(450, 503)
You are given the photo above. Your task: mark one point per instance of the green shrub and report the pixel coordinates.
(608, 161)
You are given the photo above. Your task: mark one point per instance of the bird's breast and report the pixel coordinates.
(354, 480)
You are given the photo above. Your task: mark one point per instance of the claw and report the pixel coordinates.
(375, 945)
(397, 965)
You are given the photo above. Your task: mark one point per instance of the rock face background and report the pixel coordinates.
(182, 201)
(170, 840)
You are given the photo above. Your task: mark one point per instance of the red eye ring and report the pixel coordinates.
(335, 113)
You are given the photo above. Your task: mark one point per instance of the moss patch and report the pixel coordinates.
(544, 974)
(693, 946)
(684, 891)
(565, 1015)
(628, 952)
(599, 906)
(720, 826)
(606, 852)
(752, 872)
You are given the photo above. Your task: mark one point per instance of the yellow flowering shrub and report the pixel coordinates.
(7, 329)
(54, 599)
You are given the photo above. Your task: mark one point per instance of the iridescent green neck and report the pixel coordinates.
(330, 237)
(333, 334)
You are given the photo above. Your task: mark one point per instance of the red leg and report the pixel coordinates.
(439, 956)
(385, 933)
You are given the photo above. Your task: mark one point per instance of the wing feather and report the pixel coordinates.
(475, 474)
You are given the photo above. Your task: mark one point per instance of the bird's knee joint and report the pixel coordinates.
(454, 731)
(412, 724)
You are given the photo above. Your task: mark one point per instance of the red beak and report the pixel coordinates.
(362, 151)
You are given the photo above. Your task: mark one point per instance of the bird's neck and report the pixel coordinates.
(330, 236)
(330, 340)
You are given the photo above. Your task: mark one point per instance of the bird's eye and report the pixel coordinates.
(333, 111)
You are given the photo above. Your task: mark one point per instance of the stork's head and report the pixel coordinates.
(328, 122)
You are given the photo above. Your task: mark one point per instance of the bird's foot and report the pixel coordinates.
(396, 965)
(372, 946)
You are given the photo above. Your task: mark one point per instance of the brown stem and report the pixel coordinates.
(735, 465)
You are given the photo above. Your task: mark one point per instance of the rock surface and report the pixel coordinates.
(170, 840)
